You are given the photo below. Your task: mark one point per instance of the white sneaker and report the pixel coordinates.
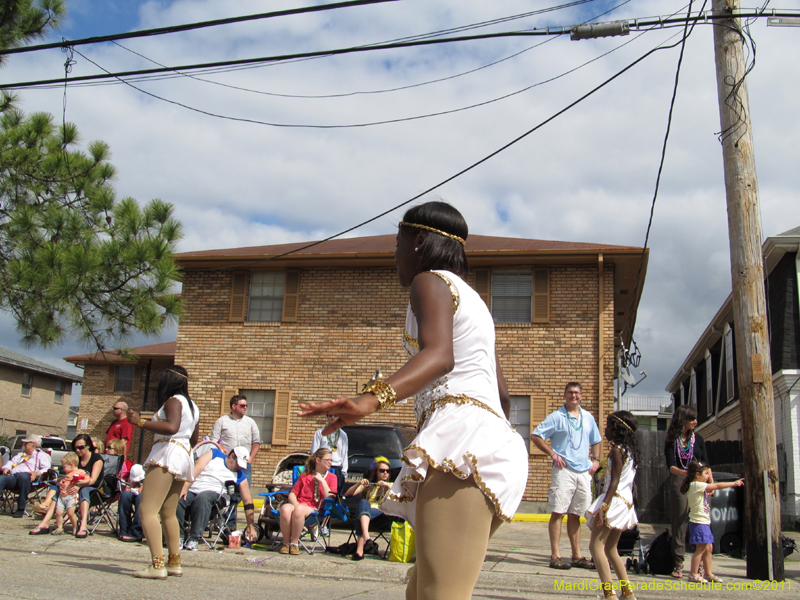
(191, 545)
(324, 530)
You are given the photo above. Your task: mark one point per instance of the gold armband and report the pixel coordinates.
(140, 424)
(383, 392)
(604, 507)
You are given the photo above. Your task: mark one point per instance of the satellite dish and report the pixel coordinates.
(625, 373)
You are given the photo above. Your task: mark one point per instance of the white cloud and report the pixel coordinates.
(587, 176)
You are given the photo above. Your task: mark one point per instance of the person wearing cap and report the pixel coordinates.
(211, 471)
(23, 469)
(130, 527)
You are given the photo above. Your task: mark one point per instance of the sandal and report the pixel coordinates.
(59, 531)
(82, 534)
(677, 572)
(358, 556)
(39, 531)
(582, 563)
(559, 563)
(696, 578)
(712, 578)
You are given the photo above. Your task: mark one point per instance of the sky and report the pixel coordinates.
(587, 176)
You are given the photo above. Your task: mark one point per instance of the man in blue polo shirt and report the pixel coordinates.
(211, 471)
(573, 433)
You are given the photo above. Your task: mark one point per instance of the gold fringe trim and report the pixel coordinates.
(628, 504)
(446, 466)
(173, 441)
(460, 400)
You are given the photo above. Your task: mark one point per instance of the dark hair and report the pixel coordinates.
(573, 384)
(372, 476)
(692, 469)
(624, 437)
(439, 251)
(173, 381)
(236, 398)
(683, 414)
(311, 461)
(84, 437)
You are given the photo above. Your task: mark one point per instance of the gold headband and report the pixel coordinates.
(176, 373)
(439, 231)
(623, 422)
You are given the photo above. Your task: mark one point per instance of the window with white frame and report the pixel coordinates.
(27, 383)
(123, 380)
(693, 389)
(710, 400)
(261, 408)
(512, 295)
(520, 418)
(59, 394)
(729, 382)
(266, 296)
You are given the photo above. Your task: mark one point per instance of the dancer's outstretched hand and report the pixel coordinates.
(342, 411)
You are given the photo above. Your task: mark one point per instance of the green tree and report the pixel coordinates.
(73, 260)
(22, 21)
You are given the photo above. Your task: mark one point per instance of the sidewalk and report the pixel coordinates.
(515, 568)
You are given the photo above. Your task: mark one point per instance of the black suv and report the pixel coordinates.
(365, 442)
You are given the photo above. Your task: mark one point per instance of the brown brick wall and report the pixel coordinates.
(349, 323)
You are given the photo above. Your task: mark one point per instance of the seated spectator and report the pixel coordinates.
(372, 490)
(211, 471)
(91, 462)
(118, 447)
(130, 527)
(23, 469)
(315, 484)
(67, 498)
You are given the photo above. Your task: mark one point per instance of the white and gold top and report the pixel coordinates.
(460, 423)
(174, 452)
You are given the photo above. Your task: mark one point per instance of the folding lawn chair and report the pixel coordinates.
(381, 527)
(103, 498)
(221, 512)
(39, 487)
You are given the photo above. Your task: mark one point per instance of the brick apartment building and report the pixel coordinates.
(34, 396)
(315, 324)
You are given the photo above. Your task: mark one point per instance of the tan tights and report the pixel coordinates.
(603, 546)
(160, 495)
(454, 523)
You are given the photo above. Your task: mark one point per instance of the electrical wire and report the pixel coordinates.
(373, 123)
(346, 94)
(660, 22)
(688, 30)
(191, 26)
(462, 171)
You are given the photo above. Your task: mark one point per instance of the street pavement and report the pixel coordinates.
(516, 568)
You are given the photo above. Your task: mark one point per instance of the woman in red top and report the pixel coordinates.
(312, 487)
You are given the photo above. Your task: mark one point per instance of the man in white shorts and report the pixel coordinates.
(573, 434)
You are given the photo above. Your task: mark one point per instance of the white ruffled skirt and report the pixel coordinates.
(619, 515)
(468, 441)
(174, 455)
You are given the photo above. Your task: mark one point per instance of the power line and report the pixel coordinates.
(686, 33)
(373, 123)
(191, 26)
(559, 30)
(285, 57)
(462, 171)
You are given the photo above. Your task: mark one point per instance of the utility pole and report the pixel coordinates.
(762, 508)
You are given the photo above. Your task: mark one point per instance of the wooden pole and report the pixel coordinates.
(749, 305)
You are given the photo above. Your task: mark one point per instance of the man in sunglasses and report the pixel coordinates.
(211, 471)
(237, 429)
(120, 428)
